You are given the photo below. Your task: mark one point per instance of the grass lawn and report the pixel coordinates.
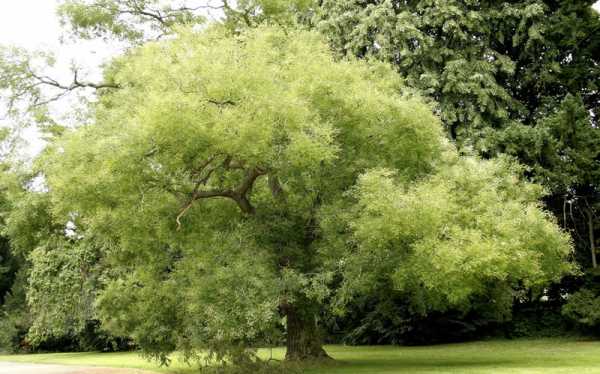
(498, 357)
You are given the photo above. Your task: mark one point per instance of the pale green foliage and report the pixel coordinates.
(54, 292)
(471, 226)
(158, 179)
(138, 21)
(222, 292)
(134, 20)
(267, 101)
(28, 221)
(250, 13)
(340, 164)
(62, 285)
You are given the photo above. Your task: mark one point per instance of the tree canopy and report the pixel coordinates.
(234, 180)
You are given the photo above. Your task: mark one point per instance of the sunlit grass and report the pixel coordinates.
(503, 356)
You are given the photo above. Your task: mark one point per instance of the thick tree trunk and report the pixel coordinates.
(304, 338)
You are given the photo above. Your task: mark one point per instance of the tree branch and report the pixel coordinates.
(239, 194)
(43, 80)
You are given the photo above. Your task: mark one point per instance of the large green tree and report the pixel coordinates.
(230, 181)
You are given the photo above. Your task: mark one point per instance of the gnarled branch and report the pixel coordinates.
(239, 194)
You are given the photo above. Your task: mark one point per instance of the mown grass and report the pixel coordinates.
(498, 357)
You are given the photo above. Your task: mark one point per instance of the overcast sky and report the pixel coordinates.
(33, 24)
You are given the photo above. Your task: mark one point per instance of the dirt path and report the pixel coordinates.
(18, 368)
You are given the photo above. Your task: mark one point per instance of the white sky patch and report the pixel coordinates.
(28, 23)
(34, 25)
